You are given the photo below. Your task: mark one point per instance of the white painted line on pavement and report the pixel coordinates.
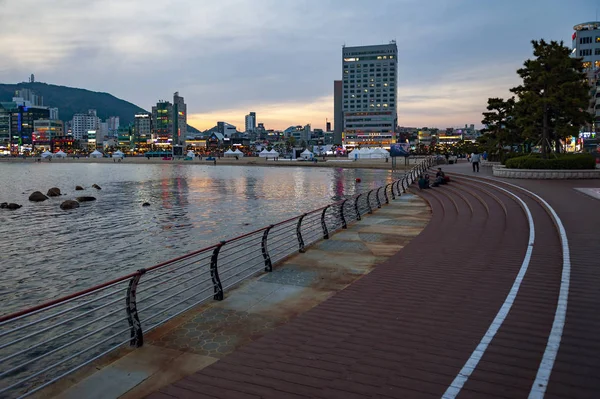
(538, 389)
(464, 374)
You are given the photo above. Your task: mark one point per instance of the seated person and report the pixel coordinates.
(423, 182)
(441, 176)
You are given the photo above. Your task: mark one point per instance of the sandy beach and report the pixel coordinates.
(329, 162)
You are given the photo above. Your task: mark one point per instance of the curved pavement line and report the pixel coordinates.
(542, 378)
(466, 371)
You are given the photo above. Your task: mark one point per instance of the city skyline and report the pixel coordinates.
(280, 60)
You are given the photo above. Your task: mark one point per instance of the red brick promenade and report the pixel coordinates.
(407, 329)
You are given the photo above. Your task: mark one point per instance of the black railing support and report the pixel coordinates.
(214, 273)
(323, 224)
(377, 197)
(356, 206)
(369, 201)
(299, 233)
(392, 191)
(265, 251)
(344, 225)
(137, 335)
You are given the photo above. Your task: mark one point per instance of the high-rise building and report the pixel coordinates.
(586, 45)
(53, 113)
(338, 112)
(251, 122)
(179, 120)
(369, 94)
(328, 126)
(82, 123)
(162, 123)
(30, 96)
(142, 130)
(113, 123)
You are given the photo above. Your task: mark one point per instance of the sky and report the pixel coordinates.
(280, 58)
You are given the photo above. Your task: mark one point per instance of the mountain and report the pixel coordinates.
(70, 100)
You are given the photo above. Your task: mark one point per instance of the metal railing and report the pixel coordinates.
(42, 344)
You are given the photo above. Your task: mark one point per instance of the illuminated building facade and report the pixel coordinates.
(169, 122)
(586, 45)
(142, 132)
(45, 130)
(369, 94)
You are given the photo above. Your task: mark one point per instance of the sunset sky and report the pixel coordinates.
(280, 58)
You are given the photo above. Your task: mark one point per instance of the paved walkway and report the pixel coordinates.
(459, 312)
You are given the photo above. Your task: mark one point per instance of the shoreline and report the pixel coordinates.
(246, 161)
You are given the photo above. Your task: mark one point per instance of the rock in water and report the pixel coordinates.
(69, 204)
(53, 192)
(4, 205)
(97, 187)
(12, 206)
(78, 188)
(146, 204)
(37, 197)
(86, 199)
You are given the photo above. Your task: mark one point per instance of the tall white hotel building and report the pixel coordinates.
(369, 78)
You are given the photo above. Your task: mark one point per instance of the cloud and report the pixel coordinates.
(278, 58)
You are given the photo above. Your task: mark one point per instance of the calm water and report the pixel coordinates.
(46, 252)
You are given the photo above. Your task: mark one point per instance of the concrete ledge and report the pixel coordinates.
(554, 174)
(488, 163)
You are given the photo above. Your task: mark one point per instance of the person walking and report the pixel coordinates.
(475, 159)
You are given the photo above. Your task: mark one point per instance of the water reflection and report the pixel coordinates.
(47, 252)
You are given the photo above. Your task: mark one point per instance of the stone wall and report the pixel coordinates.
(502, 171)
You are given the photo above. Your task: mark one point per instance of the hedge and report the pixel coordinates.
(562, 161)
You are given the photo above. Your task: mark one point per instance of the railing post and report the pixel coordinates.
(299, 234)
(214, 273)
(265, 252)
(387, 200)
(369, 201)
(137, 336)
(356, 206)
(323, 224)
(377, 197)
(344, 225)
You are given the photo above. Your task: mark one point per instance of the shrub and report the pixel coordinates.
(510, 155)
(562, 161)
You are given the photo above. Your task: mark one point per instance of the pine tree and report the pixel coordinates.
(554, 96)
(500, 121)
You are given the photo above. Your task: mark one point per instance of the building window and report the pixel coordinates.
(585, 52)
(597, 51)
(596, 64)
(585, 40)
(597, 39)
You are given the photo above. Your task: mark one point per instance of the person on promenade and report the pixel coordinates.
(423, 182)
(441, 177)
(475, 158)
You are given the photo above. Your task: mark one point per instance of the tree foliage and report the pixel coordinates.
(551, 103)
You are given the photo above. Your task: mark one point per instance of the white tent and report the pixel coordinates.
(96, 154)
(379, 153)
(238, 153)
(365, 153)
(306, 154)
(354, 154)
(190, 154)
(264, 153)
(229, 153)
(118, 154)
(60, 154)
(46, 154)
(273, 154)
